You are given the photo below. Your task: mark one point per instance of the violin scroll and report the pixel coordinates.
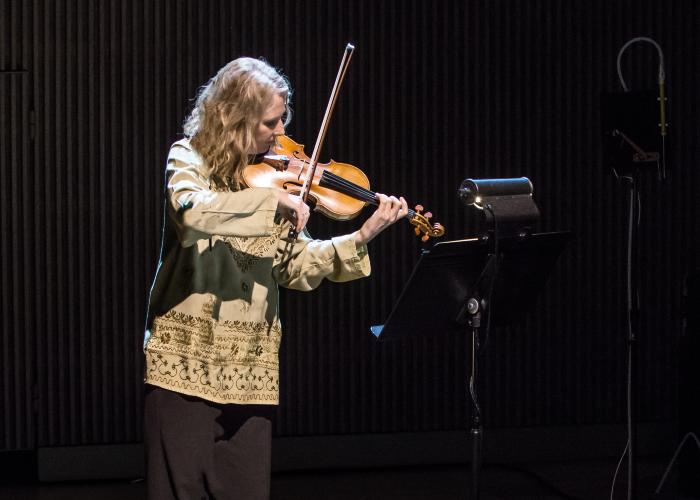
(422, 225)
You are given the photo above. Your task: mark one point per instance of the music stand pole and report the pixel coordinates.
(476, 429)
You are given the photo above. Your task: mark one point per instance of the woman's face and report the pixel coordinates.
(270, 126)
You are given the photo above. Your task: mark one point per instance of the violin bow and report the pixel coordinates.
(306, 187)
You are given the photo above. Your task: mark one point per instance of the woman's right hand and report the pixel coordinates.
(293, 209)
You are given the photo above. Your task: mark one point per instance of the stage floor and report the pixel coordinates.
(533, 481)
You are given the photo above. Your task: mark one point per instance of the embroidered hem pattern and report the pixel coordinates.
(224, 362)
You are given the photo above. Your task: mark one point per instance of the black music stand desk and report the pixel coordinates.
(459, 286)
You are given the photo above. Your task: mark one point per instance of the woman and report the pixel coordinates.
(213, 330)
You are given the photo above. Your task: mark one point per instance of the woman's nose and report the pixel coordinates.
(279, 129)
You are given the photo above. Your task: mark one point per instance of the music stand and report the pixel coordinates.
(465, 281)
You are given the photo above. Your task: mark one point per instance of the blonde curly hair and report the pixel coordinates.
(227, 112)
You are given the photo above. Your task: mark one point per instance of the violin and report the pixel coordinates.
(337, 190)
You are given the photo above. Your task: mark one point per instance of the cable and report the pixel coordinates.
(673, 460)
(489, 304)
(662, 73)
(630, 245)
(473, 393)
(617, 469)
(541, 480)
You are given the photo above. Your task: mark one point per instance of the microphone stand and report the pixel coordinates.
(633, 329)
(640, 158)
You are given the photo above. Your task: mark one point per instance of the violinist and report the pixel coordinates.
(213, 329)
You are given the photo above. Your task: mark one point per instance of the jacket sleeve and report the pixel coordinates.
(304, 263)
(198, 212)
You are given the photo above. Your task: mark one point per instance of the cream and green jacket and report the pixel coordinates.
(213, 328)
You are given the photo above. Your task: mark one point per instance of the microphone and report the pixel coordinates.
(662, 117)
(662, 106)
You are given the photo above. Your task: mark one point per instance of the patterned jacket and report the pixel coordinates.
(213, 328)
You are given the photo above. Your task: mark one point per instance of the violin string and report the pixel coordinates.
(353, 190)
(348, 187)
(330, 178)
(345, 186)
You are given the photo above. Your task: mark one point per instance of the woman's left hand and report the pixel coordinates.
(390, 210)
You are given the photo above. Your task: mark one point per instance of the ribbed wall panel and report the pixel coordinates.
(436, 92)
(17, 177)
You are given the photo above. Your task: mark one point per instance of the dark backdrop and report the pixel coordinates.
(93, 93)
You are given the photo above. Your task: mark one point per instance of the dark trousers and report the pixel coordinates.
(196, 449)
